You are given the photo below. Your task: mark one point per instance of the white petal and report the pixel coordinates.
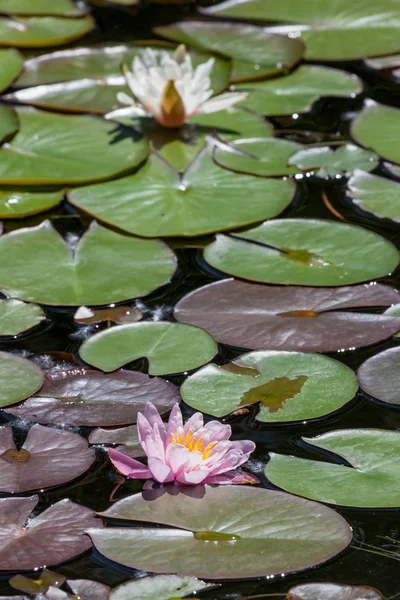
(221, 102)
(130, 111)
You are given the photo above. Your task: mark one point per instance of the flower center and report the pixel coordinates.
(193, 444)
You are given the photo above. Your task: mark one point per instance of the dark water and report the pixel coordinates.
(329, 120)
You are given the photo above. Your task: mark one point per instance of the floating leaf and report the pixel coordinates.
(65, 8)
(112, 314)
(17, 317)
(16, 204)
(375, 195)
(11, 64)
(254, 53)
(336, 591)
(36, 32)
(19, 379)
(85, 397)
(383, 62)
(85, 589)
(104, 267)
(126, 436)
(169, 347)
(291, 386)
(331, 30)
(277, 533)
(257, 156)
(158, 201)
(379, 376)
(8, 122)
(340, 254)
(297, 92)
(378, 127)
(159, 587)
(37, 586)
(371, 481)
(52, 537)
(66, 149)
(47, 458)
(265, 317)
(344, 160)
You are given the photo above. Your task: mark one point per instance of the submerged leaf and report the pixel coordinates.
(332, 591)
(37, 586)
(275, 392)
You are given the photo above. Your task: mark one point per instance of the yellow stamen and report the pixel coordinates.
(193, 446)
(172, 107)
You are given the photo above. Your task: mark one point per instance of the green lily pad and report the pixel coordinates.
(383, 62)
(38, 32)
(379, 376)
(375, 195)
(66, 149)
(392, 169)
(16, 204)
(102, 267)
(8, 122)
(393, 311)
(158, 201)
(257, 156)
(11, 64)
(17, 317)
(254, 53)
(332, 162)
(372, 480)
(158, 587)
(169, 347)
(378, 127)
(273, 532)
(304, 252)
(287, 386)
(334, 30)
(65, 8)
(297, 92)
(104, 61)
(19, 379)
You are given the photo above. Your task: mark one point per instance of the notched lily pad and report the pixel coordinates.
(101, 268)
(169, 347)
(371, 481)
(332, 162)
(18, 317)
(290, 386)
(86, 397)
(278, 533)
(47, 458)
(336, 591)
(375, 195)
(19, 378)
(52, 537)
(379, 376)
(262, 317)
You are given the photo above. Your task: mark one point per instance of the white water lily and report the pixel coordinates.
(169, 89)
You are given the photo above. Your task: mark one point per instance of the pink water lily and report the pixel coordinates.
(187, 454)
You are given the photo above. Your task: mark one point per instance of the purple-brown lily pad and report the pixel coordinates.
(263, 317)
(91, 398)
(127, 437)
(379, 376)
(52, 537)
(333, 591)
(47, 458)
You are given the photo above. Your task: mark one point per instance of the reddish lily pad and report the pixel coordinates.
(262, 317)
(379, 376)
(125, 436)
(112, 314)
(333, 591)
(47, 458)
(91, 398)
(52, 537)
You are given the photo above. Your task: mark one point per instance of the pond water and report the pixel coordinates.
(328, 120)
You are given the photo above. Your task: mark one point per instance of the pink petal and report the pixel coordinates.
(128, 466)
(218, 431)
(193, 477)
(177, 457)
(175, 420)
(237, 477)
(143, 427)
(153, 416)
(160, 471)
(154, 445)
(195, 422)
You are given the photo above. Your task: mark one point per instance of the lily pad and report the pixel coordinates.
(375, 195)
(379, 376)
(297, 92)
(304, 252)
(16, 204)
(159, 587)
(331, 30)
(158, 201)
(257, 156)
(276, 532)
(393, 311)
(37, 586)
(169, 347)
(103, 267)
(331, 162)
(65, 8)
(39, 32)
(333, 591)
(378, 127)
(90, 398)
(125, 436)
(112, 314)
(66, 149)
(17, 317)
(47, 458)
(262, 317)
(11, 64)
(52, 537)
(19, 378)
(85, 589)
(380, 63)
(8, 122)
(369, 480)
(254, 53)
(287, 386)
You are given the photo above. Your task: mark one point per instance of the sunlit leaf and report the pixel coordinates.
(17, 317)
(11, 64)
(16, 204)
(327, 591)
(331, 162)
(375, 195)
(378, 127)
(8, 122)
(19, 378)
(379, 376)
(159, 587)
(65, 8)
(32, 32)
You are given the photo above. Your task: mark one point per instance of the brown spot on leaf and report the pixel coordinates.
(14, 456)
(239, 370)
(275, 392)
(308, 314)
